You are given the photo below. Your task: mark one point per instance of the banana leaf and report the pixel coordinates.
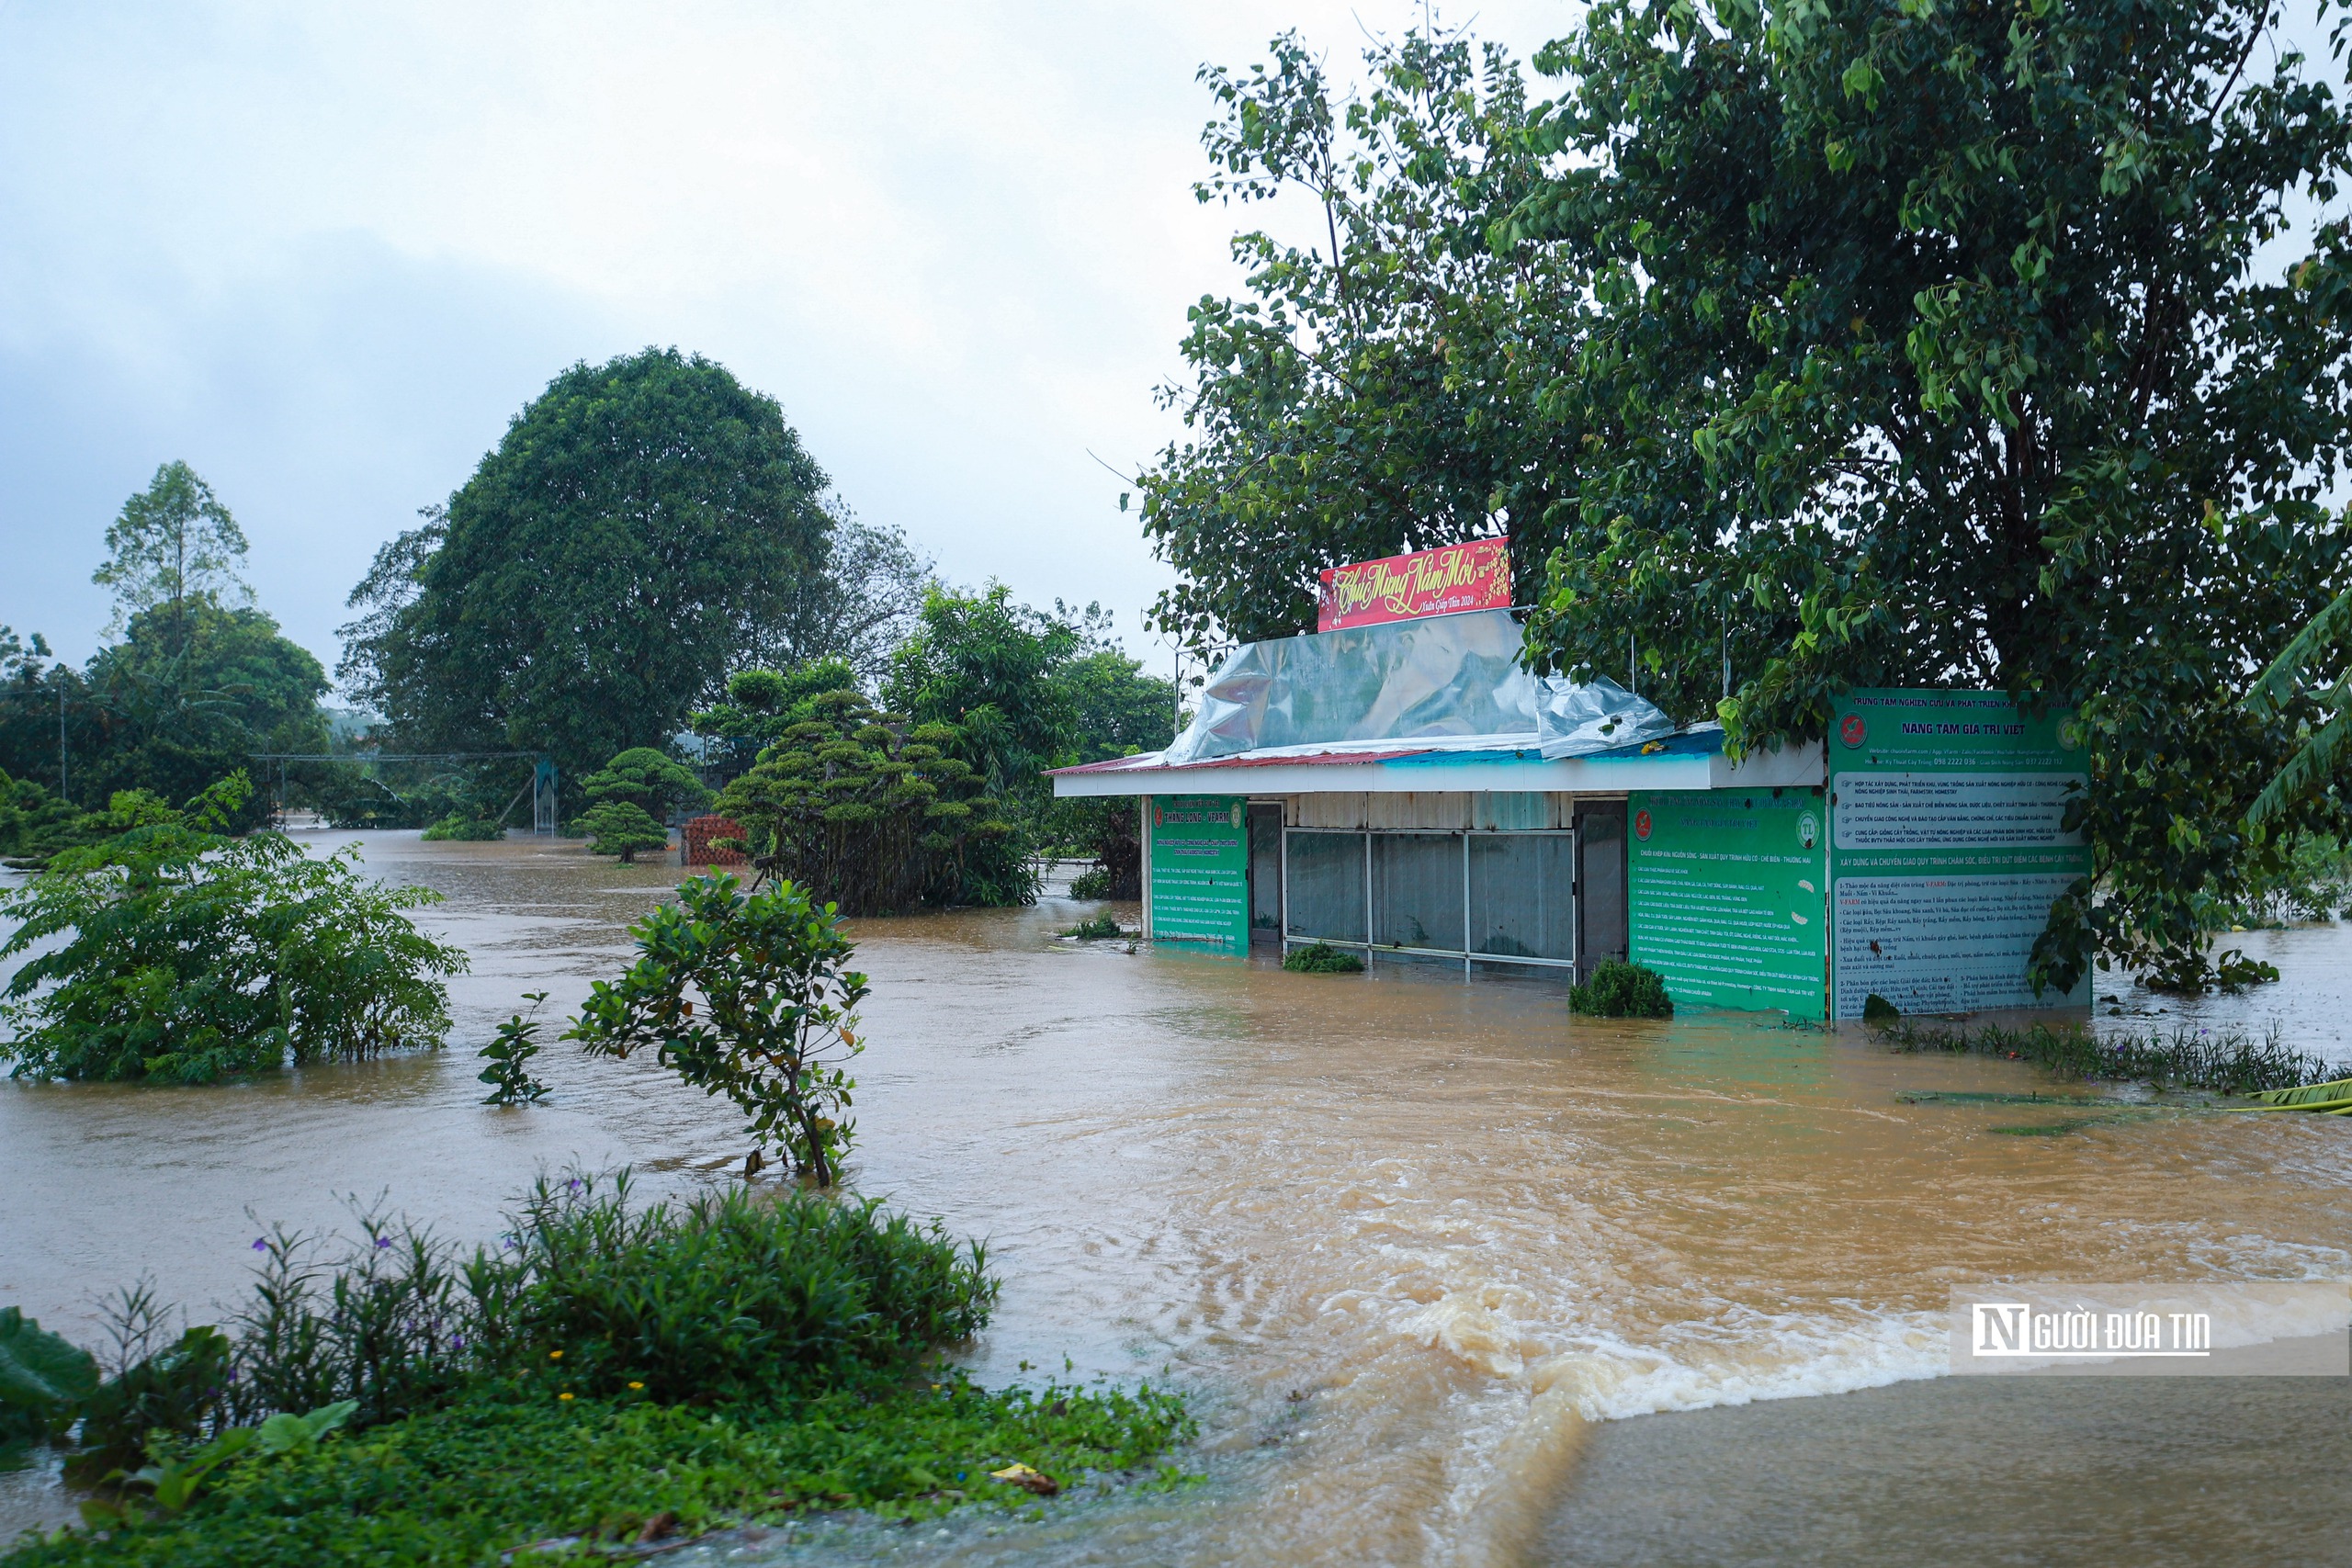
(2311, 1096)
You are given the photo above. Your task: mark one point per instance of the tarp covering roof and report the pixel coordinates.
(1453, 680)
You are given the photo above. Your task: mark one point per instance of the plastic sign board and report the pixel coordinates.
(1726, 895)
(1475, 576)
(1200, 870)
(1948, 846)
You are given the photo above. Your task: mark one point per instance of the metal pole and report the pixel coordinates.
(61, 740)
(1466, 903)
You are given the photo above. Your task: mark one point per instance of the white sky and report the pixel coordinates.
(323, 253)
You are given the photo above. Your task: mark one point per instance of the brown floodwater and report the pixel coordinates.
(1453, 1278)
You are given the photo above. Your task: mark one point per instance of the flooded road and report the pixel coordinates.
(1433, 1258)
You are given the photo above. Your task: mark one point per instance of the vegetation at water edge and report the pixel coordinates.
(1322, 958)
(2229, 1061)
(611, 1374)
(749, 994)
(176, 953)
(1618, 989)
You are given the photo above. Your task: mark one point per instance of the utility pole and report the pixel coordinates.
(61, 740)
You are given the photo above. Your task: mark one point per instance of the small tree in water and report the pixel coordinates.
(777, 1018)
(627, 792)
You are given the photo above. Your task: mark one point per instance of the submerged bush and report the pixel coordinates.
(612, 1372)
(463, 829)
(1618, 989)
(748, 995)
(732, 1297)
(1322, 958)
(184, 956)
(2229, 1062)
(1096, 928)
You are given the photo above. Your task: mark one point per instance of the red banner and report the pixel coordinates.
(1475, 576)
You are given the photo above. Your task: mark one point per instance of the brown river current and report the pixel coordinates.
(1453, 1279)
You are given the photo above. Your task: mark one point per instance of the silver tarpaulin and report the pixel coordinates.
(1455, 679)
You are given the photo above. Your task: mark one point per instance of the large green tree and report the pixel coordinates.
(644, 525)
(1374, 389)
(1850, 346)
(1938, 345)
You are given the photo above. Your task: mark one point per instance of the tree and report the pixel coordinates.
(750, 996)
(761, 705)
(621, 827)
(2317, 766)
(1935, 345)
(860, 603)
(174, 953)
(648, 779)
(876, 817)
(174, 546)
(988, 666)
(190, 694)
(643, 526)
(1376, 390)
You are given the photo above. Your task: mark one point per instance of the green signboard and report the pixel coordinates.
(1200, 870)
(1947, 848)
(1725, 896)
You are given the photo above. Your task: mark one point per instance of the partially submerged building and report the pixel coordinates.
(1409, 790)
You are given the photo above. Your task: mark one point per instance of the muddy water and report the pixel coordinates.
(1432, 1257)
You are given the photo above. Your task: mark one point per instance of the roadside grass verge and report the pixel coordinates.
(2230, 1061)
(515, 1469)
(612, 1373)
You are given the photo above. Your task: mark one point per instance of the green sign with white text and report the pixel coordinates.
(1724, 896)
(1200, 870)
(1948, 847)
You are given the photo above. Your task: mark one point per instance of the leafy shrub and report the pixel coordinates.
(776, 1016)
(733, 1297)
(1618, 989)
(1322, 958)
(1099, 927)
(876, 817)
(509, 1056)
(43, 1380)
(463, 829)
(181, 955)
(1092, 883)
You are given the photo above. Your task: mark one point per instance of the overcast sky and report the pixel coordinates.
(323, 253)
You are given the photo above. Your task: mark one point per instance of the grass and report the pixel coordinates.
(514, 1465)
(611, 1371)
(1321, 958)
(2229, 1062)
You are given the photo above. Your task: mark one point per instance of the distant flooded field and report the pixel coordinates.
(1436, 1260)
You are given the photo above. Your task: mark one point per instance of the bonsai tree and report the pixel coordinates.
(628, 793)
(621, 827)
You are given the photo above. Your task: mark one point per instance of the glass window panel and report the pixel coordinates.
(1265, 870)
(1416, 890)
(1325, 881)
(1520, 895)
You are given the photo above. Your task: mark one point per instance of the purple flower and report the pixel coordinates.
(383, 1241)
(574, 1184)
(261, 1244)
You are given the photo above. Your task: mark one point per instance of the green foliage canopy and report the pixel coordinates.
(176, 954)
(644, 525)
(1845, 347)
(877, 816)
(749, 994)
